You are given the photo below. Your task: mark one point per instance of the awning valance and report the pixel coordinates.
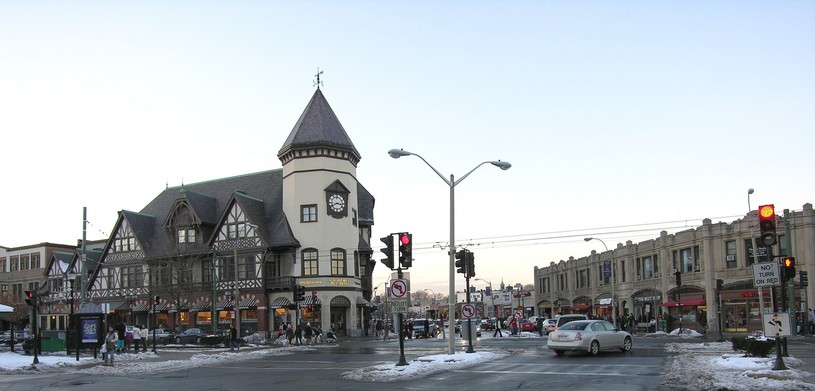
(280, 302)
(223, 304)
(684, 303)
(249, 302)
(310, 300)
(364, 303)
(144, 307)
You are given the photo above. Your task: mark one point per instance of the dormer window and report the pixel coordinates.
(186, 235)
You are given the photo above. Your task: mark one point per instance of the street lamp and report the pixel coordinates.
(613, 304)
(492, 294)
(396, 154)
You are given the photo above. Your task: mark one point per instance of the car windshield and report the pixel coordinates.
(575, 325)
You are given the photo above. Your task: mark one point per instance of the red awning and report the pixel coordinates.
(684, 303)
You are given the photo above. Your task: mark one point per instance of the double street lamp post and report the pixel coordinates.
(452, 182)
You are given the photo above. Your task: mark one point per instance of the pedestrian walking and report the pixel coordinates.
(811, 321)
(137, 338)
(498, 329)
(120, 331)
(378, 328)
(144, 334)
(298, 333)
(308, 332)
(233, 338)
(111, 339)
(513, 326)
(289, 333)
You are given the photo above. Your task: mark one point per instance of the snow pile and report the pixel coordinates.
(420, 367)
(715, 366)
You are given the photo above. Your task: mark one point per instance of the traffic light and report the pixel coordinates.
(804, 278)
(788, 268)
(678, 276)
(405, 250)
(300, 293)
(470, 265)
(388, 250)
(461, 262)
(719, 284)
(29, 297)
(766, 224)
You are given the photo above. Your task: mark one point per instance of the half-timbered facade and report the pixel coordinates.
(230, 250)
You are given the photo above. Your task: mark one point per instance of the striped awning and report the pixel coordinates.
(364, 303)
(163, 307)
(144, 307)
(310, 300)
(249, 302)
(280, 302)
(201, 306)
(224, 304)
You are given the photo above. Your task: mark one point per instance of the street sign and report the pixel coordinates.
(766, 274)
(399, 288)
(400, 305)
(519, 313)
(468, 311)
(778, 324)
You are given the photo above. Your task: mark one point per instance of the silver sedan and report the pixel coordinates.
(589, 336)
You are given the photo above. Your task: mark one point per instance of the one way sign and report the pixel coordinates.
(777, 324)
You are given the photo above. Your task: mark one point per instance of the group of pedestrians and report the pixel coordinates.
(119, 339)
(304, 334)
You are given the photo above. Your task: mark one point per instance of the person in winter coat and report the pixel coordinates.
(111, 339)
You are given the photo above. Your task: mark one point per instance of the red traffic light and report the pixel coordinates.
(404, 239)
(766, 212)
(30, 294)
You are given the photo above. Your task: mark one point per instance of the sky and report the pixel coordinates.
(695, 366)
(620, 118)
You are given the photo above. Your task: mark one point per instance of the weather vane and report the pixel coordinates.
(318, 83)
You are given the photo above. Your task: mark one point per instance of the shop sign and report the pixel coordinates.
(648, 298)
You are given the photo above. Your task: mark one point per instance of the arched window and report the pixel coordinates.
(338, 262)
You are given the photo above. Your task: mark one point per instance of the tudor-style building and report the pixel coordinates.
(238, 245)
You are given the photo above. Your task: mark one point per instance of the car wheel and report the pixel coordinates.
(559, 352)
(178, 340)
(595, 348)
(198, 340)
(162, 341)
(626, 345)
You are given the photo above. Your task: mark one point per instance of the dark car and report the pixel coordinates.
(193, 335)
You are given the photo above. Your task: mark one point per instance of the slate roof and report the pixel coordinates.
(318, 126)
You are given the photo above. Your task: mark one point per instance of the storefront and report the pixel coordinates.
(545, 309)
(582, 305)
(647, 305)
(602, 307)
(561, 307)
(741, 307)
(689, 311)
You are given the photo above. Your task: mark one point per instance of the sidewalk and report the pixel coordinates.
(801, 347)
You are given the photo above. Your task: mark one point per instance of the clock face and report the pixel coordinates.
(336, 202)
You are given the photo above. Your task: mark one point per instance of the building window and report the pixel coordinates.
(24, 262)
(582, 277)
(649, 266)
(3, 265)
(186, 235)
(357, 270)
(730, 254)
(309, 262)
(14, 263)
(35, 261)
(337, 262)
(247, 269)
(308, 213)
(354, 217)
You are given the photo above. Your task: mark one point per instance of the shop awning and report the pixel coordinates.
(363, 303)
(280, 302)
(224, 304)
(144, 307)
(684, 303)
(310, 300)
(249, 302)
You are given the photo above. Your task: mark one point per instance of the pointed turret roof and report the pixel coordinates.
(318, 126)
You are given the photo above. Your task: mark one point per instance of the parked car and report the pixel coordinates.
(527, 325)
(588, 336)
(549, 325)
(193, 335)
(563, 319)
(162, 336)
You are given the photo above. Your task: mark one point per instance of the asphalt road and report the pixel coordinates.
(530, 365)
